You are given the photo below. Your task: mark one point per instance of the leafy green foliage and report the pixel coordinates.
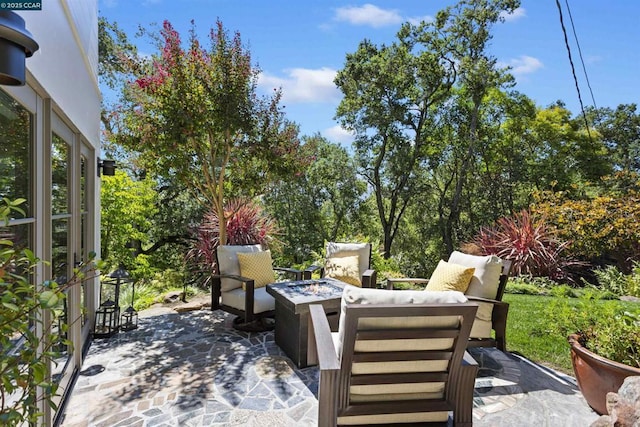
(128, 207)
(605, 327)
(193, 114)
(323, 203)
(27, 342)
(611, 279)
(620, 131)
(604, 225)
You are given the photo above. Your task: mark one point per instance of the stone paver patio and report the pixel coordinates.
(194, 369)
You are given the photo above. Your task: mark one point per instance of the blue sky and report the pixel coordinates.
(300, 45)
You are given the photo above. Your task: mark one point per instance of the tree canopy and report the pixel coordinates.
(194, 116)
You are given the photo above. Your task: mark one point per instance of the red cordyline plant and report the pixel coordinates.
(247, 224)
(531, 244)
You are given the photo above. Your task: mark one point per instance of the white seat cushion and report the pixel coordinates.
(262, 301)
(485, 280)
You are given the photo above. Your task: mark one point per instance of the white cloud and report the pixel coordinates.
(338, 134)
(303, 85)
(368, 14)
(417, 20)
(516, 15)
(592, 59)
(523, 65)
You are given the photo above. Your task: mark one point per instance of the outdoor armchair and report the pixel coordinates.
(348, 262)
(398, 357)
(485, 287)
(240, 285)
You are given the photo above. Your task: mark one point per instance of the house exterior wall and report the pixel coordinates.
(62, 95)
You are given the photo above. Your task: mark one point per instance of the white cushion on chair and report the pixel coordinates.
(262, 301)
(228, 263)
(355, 295)
(481, 328)
(485, 280)
(362, 250)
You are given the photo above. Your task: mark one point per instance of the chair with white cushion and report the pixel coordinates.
(398, 357)
(483, 280)
(347, 262)
(240, 285)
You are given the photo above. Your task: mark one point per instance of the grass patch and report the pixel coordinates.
(526, 319)
(529, 330)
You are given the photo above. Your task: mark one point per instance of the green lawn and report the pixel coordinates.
(526, 319)
(528, 331)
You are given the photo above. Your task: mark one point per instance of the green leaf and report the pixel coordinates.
(49, 299)
(39, 372)
(11, 306)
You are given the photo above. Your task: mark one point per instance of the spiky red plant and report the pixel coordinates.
(530, 243)
(247, 224)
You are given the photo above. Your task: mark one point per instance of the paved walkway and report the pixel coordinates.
(193, 369)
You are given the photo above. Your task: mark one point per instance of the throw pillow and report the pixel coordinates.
(257, 266)
(450, 277)
(345, 269)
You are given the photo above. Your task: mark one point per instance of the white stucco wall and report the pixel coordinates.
(66, 65)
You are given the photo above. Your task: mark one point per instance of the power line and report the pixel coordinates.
(584, 68)
(573, 69)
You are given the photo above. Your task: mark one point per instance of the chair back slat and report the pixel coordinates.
(405, 368)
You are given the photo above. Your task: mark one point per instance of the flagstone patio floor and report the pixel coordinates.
(194, 369)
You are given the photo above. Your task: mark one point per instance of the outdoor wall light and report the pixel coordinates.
(16, 44)
(108, 167)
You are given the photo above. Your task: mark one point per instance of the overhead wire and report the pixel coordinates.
(573, 69)
(584, 68)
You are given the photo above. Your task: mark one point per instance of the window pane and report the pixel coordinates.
(15, 146)
(60, 250)
(59, 175)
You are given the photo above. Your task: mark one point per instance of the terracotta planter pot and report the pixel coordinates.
(596, 375)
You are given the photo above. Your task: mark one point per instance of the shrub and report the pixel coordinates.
(531, 244)
(604, 327)
(602, 226)
(612, 280)
(247, 224)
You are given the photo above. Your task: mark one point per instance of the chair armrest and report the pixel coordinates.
(297, 274)
(416, 280)
(306, 274)
(236, 277)
(487, 300)
(321, 351)
(369, 279)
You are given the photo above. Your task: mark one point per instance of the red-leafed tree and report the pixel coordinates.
(194, 116)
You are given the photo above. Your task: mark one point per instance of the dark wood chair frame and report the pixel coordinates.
(247, 315)
(498, 315)
(335, 372)
(368, 279)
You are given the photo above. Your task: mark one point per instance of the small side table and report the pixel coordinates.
(292, 312)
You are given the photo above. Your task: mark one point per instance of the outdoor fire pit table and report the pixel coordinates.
(292, 312)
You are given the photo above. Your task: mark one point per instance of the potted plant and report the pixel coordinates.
(604, 338)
